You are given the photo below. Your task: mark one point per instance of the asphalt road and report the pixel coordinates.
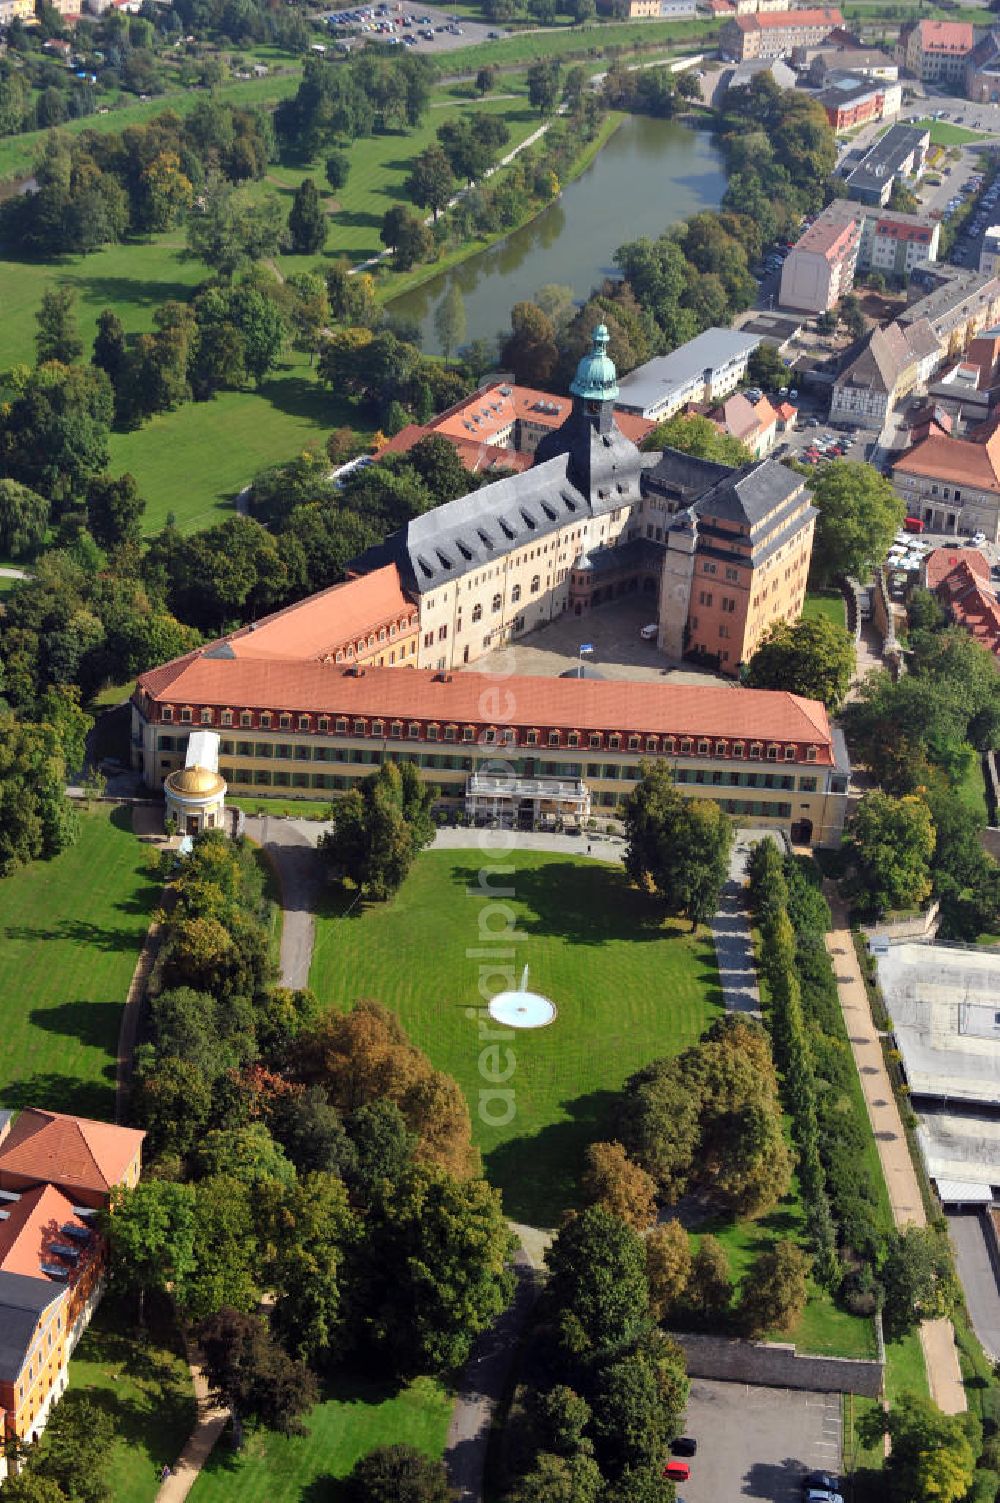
(756, 1444)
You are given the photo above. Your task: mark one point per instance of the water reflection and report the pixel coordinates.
(651, 174)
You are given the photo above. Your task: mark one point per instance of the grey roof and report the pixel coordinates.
(22, 1301)
(682, 477)
(650, 385)
(751, 494)
(886, 157)
(474, 530)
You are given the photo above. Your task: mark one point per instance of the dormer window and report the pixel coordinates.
(396, 729)
(554, 738)
(226, 718)
(738, 748)
(573, 739)
(789, 753)
(413, 731)
(468, 733)
(703, 748)
(284, 722)
(265, 720)
(378, 727)
(246, 718)
(755, 750)
(186, 715)
(206, 717)
(772, 754)
(720, 748)
(810, 753)
(304, 722)
(167, 713)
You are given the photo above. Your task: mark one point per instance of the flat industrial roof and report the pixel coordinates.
(944, 1003)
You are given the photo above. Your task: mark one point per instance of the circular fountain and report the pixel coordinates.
(522, 1008)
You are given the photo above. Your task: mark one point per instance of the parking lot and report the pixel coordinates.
(419, 28)
(757, 1444)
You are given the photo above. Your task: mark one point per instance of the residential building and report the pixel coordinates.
(936, 51)
(705, 369)
(982, 70)
(17, 10)
(527, 747)
(754, 424)
(738, 557)
(894, 243)
(820, 267)
(850, 101)
(989, 250)
(958, 305)
(961, 582)
(776, 34)
(56, 1171)
(953, 484)
(885, 366)
(900, 153)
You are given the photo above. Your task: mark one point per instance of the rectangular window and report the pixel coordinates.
(265, 720)
(186, 716)
(244, 749)
(284, 722)
(324, 723)
(341, 725)
(164, 743)
(378, 727)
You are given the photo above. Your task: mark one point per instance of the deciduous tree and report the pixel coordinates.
(24, 517)
(307, 226)
(710, 1286)
(859, 512)
(253, 1375)
(397, 1474)
(814, 658)
(378, 829)
(622, 1187)
(892, 841)
(677, 847)
(931, 1456)
(773, 1294)
(150, 1231)
(668, 1266)
(114, 510)
(57, 337)
(431, 181)
(598, 1289)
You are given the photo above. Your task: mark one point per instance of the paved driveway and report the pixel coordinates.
(758, 1443)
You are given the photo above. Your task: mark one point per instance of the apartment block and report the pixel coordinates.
(936, 51)
(705, 369)
(776, 34)
(820, 267)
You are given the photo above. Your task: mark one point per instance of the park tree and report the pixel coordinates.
(252, 1374)
(485, 81)
(622, 1187)
(530, 351)
(378, 829)
(36, 818)
(431, 182)
(766, 368)
(892, 842)
(811, 657)
(150, 1232)
(79, 1442)
(313, 1233)
(114, 510)
(543, 85)
(383, 1147)
(227, 1269)
(558, 1479)
(435, 1270)
(631, 1423)
(397, 1474)
(449, 320)
(56, 337)
(24, 518)
(678, 848)
(560, 1420)
(773, 1293)
(931, 1455)
(696, 435)
(668, 1266)
(110, 351)
(859, 513)
(337, 168)
(917, 1278)
(409, 239)
(231, 226)
(307, 225)
(597, 1291)
(54, 430)
(249, 1153)
(472, 144)
(29, 1487)
(710, 1286)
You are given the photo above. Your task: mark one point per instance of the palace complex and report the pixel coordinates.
(310, 699)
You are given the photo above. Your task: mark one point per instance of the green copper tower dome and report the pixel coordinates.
(596, 379)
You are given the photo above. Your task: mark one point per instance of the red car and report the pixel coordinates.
(677, 1471)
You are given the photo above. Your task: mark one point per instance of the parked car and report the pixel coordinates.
(823, 1481)
(677, 1471)
(648, 633)
(684, 1445)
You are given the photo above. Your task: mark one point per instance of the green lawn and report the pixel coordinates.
(352, 1421)
(628, 987)
(299, 808)
(144, 1382)
(596, 39)
(826, 604)
(193, 462)
(70, 933)
(943, 133)
(972, 789)
(18, 152)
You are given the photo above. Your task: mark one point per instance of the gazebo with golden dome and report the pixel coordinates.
(195, 794)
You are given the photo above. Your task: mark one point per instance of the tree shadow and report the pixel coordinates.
(585, 903)
(93, 1023)
(109, 291)
(539, 1172)
(109, 940)
(299, 398)
(359, 219)
(51, 1091)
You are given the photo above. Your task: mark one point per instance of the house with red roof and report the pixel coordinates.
(953, 484)
(936, 51)
(961, 582)
(56, 1172)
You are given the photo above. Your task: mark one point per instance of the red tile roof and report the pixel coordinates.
(317, 626)
(945, 561)
(32, 1225)
(971, 605)
(72, 1152)
(476, 456)
(477, 698)
(941, 457)
(946, 36)
(778, 20)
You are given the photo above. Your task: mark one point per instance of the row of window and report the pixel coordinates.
(414, 730)
(369, 643)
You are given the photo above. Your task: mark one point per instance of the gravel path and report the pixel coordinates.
(291, 846)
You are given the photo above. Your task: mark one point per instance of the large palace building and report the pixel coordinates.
(311, 699)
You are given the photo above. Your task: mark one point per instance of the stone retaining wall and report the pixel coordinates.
(778, 1365)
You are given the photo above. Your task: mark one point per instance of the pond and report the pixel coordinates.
(651, 174)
